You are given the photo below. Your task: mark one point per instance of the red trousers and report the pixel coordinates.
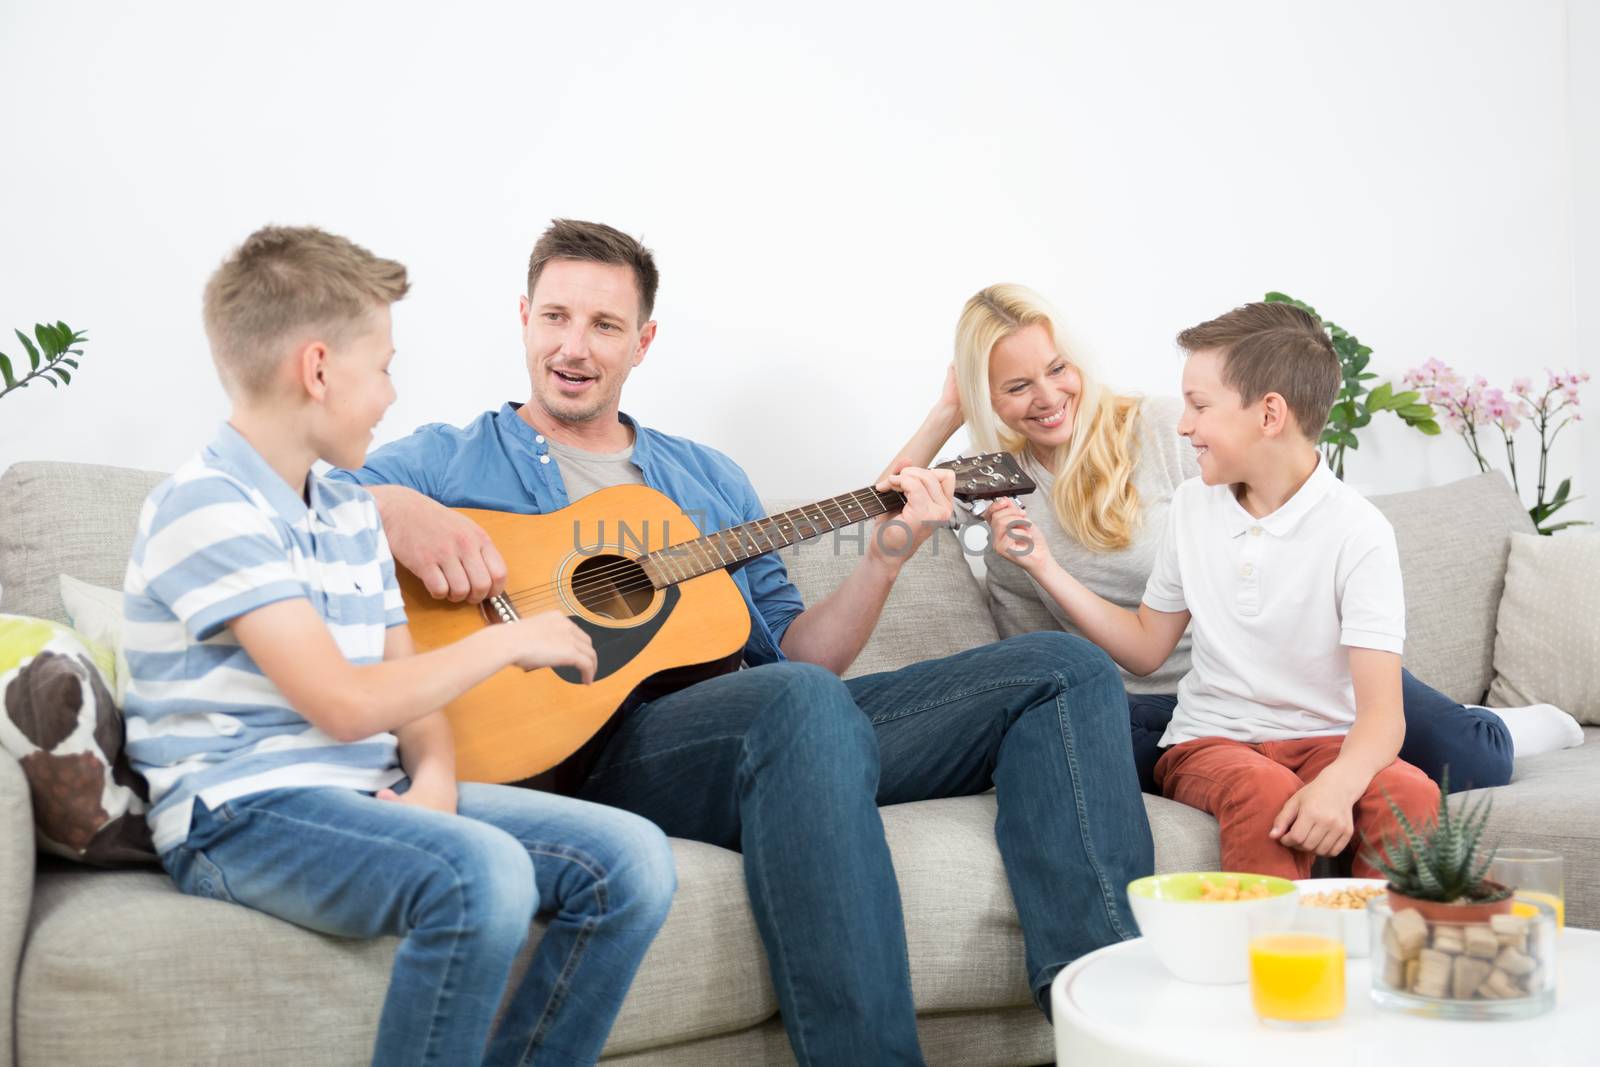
(1245, 786)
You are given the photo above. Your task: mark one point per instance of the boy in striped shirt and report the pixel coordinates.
(297, 760)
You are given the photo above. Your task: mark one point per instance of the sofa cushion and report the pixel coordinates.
(99, 974)
(114, 961)
(1547, 638)
(935, 608)
(61, 725)
(65, 518)
(1552, 802)
(1453, 541)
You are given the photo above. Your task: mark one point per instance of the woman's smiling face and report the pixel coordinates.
(1033, 389)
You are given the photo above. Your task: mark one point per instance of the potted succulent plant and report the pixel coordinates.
(1449, 942)
(1439, 869)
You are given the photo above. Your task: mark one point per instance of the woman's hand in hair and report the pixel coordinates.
(1016, 538)
(947, 409)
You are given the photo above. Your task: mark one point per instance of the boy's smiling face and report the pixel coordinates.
(1221, 428)
(359, 391)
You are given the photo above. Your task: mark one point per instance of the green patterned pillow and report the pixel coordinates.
(64, 728)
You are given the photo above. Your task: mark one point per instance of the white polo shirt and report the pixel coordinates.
(1276, 603)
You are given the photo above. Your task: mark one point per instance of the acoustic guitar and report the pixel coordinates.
(660, 619)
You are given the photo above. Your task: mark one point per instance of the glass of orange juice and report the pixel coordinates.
(1297, 968)
(1535, 874)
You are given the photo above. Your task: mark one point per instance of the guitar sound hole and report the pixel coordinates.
(613, 587)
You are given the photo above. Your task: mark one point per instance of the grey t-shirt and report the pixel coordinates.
(585, 472)
(1164, 461)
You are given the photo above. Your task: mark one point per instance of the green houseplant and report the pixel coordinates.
(1357, 402)
(53, 359)
(1439, 869)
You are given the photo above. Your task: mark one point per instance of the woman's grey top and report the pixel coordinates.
(1163, 461)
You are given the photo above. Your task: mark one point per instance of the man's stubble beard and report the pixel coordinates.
(561, 414)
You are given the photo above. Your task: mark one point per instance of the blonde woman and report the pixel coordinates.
(1106, 465)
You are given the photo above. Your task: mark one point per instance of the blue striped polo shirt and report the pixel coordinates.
(223, 536)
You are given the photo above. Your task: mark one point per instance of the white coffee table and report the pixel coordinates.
(1119, 1006)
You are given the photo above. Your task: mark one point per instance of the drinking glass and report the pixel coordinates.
(1535, 874)
(1297, 968)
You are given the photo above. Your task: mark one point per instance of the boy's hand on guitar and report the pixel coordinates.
(1015, 537)
(550, 639)
(930, 501)
(448, 552)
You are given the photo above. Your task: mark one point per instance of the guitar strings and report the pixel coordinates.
(550, 593)
(607, 574)
(749, 541)
(885, 500)
(531, 596)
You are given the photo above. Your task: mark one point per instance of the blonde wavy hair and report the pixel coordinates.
(1093, 495)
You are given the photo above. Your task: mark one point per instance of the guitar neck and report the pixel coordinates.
(735, 545)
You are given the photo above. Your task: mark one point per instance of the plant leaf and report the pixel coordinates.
(48, 341)
(33, 353)
(1380, 395)
(5, 371)
(66, 378)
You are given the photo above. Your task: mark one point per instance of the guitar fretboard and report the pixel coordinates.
(726, 548)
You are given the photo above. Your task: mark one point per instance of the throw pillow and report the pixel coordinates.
(96, 612)
(62, 726)
(1547, 638)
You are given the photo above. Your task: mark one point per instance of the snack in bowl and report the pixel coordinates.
(1228, 888)
(1343, 899)
(1197, 922)
(1349, 897)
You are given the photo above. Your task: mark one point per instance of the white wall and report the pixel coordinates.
(824, 185)
(1583, 72)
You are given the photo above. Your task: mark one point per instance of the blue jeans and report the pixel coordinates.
(461, 891)
(788, 764)
(1440, 733)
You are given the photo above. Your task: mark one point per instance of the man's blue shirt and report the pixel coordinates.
(501, 463)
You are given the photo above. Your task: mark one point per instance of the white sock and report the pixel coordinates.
(1539, 728)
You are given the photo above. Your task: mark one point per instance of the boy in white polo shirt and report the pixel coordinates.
(297, 759)
(1289, 722)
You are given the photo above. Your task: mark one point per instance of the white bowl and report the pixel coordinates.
(1356, 926)
(1205, 941)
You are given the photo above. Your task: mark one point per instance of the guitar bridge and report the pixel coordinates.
(498, 609)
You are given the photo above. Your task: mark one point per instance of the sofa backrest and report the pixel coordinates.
(65, 518)
(1454, 541)
(79, 519)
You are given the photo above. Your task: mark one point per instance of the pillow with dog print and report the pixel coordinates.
(62, 725)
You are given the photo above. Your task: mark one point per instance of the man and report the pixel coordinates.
(1041, 717)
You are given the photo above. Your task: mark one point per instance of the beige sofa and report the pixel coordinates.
(104, 967)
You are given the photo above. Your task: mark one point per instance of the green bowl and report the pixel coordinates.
(1186, 886)
(1206, 941)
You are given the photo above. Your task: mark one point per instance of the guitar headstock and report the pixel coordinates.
(989, 476)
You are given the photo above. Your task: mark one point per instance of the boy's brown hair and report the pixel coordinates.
(1274, 348)
(281, 282)
(595, 242)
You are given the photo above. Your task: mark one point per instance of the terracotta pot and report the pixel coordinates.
(1451, 914)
